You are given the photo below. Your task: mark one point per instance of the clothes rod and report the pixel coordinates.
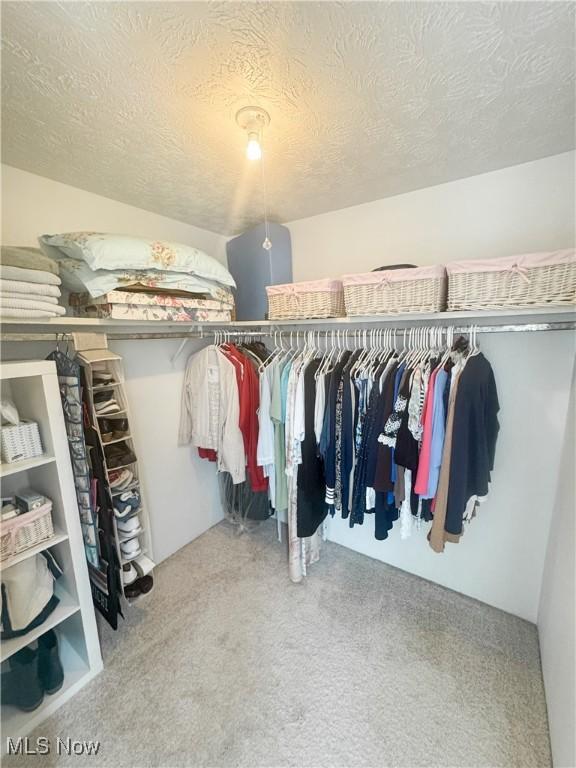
(271, 331)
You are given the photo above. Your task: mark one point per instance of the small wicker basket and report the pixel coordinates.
(530, 280)
(421, 289)
(303, 301)
(21, 441)
(25, 531)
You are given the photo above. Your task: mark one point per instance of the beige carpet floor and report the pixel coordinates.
(229, 664)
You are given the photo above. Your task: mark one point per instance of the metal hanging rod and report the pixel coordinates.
(285, 332)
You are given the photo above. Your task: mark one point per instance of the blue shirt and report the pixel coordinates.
(438, 432)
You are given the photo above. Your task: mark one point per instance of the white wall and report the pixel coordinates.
(556, 617)
(522, 209)
(34, 205)
(500, 558)
(182, 492)
(181, 489)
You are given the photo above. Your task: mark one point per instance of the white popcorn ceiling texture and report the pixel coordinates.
(136, 100)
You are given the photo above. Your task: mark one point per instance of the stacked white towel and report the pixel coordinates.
(28, 291)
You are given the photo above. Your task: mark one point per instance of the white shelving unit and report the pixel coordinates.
(33, 386)
(112, 363)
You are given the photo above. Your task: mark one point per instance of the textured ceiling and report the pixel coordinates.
(136, 100)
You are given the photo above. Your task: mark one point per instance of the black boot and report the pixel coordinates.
(50, 669)
(24, 687)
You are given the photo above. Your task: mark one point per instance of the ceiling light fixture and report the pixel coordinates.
(253, 120)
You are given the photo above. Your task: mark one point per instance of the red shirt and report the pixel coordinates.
(249, 397)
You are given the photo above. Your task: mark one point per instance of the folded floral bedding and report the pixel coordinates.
(149, 312)
(78, 277)
(190, 300)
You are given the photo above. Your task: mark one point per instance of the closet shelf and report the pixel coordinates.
(116, 440)
(65, 608)
(58, 537)
(25, 464)
(537, 315)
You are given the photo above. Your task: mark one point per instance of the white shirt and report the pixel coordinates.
(319, 405)
(210, 410)
(265, 447)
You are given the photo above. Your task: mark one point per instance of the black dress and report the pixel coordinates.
(311, 482)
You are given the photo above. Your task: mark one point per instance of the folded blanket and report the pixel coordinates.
(29, 303)
(29, 275)
(20, 296)
(27, 258)
(23, 313)
(33, 289)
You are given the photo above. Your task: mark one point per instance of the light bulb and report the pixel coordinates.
(253, 149)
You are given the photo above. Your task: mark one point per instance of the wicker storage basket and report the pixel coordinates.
(303, 301)
(422, 289)
(530, 280)
(25, 531)
(21, 441)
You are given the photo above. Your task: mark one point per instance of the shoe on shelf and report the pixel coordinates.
(115, 424)
(143, 565)
(120, 479)
(104, 396)
(107, 407)
(24, 688)
(130, 527)
(101, 376)
(130, 548)
(119, 454)
(126, 503)
(129, 574)
(50, 669)
(141, 586)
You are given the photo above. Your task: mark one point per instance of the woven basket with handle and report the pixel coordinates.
(422, 289)
(304, 301)
(530, 280)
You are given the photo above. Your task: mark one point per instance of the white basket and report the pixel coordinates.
(395, 291)
(530, 280)
(303, 301)
(25, 531)
(21, 441)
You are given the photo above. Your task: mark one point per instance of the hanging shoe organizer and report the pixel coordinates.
(104, 377)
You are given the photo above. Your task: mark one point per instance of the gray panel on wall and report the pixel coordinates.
(253, 267)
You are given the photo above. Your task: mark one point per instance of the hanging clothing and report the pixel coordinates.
(437, 434)
(210, 410)
(302, 552)
(436, 535)
(249, 401)
(265, 443)
(281, 501)
(311, 506)
(474, 434)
